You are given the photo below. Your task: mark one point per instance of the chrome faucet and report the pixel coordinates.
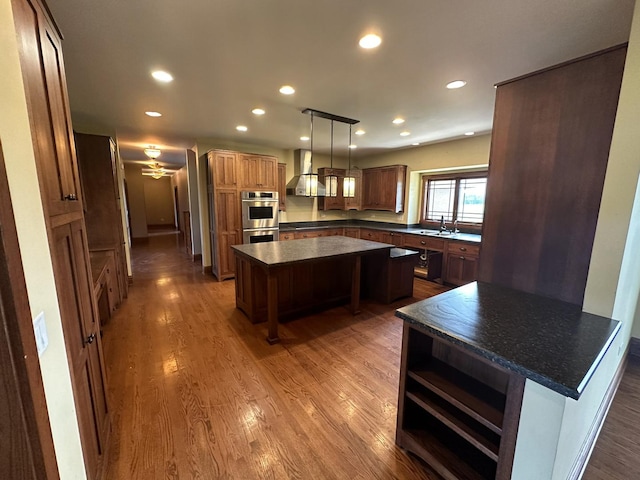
(443, 226)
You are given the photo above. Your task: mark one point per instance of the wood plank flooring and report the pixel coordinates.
(617, 451)
(197, 393)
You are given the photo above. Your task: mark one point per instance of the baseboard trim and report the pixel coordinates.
(590, 442)
(634, 346)
(207, 270)
(197, 258)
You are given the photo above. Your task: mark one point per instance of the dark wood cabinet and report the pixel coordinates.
(456, 410)
(370, 234)
(103, 216)
(282, 187)
(549, 150)
(461, 263)
(54, 150)
(384, 188)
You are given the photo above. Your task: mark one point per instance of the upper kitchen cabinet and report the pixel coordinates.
(282, 187)
(258, 172)
(384, 188)
(549, 150)
(225, 168)
(46, 89)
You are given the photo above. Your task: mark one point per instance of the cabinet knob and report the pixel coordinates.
(422, 242)
(91, 338)
(461, 258)
(71, 196)
(463, 249)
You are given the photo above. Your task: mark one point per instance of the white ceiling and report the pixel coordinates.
(230, 56)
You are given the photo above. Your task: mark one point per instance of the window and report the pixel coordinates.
(454, 197)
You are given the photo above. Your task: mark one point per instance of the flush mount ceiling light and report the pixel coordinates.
(405, 133)
(304, 138)
(456, 84)
(287, 90)
(153, 114)
(258, 111)
(370, 40)
(152, 152)
(359, 132)
(242, 128)
(468, 134)
(398, 121)
(415, 144)
(162, 76)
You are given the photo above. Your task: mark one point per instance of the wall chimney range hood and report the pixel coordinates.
(304, 182)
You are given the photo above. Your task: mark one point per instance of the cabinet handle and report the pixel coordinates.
(91, 338)
(422, 242)
(463, 249)
(71, 196)
(462, 258)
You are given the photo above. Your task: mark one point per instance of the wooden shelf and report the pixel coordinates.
(474, 398)
(447, 414)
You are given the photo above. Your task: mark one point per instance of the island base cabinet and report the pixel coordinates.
(456, 410)
(302, 288)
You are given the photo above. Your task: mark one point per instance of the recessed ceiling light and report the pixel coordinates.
(258, 111)
(398, 121)
(153, 114)
(469, 133)
(405, 133)
(370, 40)
(162, 76)
(360, 132)
(241, 128)
(456, 84)
(352, 146)
(304, 138)
(415, 144)
(287, 90)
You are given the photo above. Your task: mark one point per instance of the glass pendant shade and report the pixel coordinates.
(152, 152)
(331, 183)
(349, 187)
(310, 184)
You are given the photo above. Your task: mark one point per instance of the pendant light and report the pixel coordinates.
(152, 152)
(331, 180)
(349, 185)
(311, 179)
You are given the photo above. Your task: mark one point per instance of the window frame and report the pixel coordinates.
(469, 227)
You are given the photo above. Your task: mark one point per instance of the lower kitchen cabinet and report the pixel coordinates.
(373, 235)
(456, 410)
(461, 263)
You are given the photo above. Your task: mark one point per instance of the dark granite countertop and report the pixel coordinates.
(390, 227)
(548, 341)
(272, 254)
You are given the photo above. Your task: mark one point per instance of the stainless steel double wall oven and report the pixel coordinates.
(259, 217)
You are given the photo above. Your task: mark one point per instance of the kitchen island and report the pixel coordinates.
(466, 356)
(282, 280)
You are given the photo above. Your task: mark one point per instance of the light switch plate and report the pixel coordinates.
(40, 330)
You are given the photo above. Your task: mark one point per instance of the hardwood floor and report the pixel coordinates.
(617, 451)
(197, 392)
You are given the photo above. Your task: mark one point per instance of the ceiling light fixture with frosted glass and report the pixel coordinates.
(287, 90)
(456, 84)
(153, 114)
(162, 76)
(370, 41)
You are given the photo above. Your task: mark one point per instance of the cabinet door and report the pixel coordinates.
(383, 188)
(267, 173)
(373, 235)
(227, 262)
(228, 230)
(82, 337)
(352, 232)
(46, 91)
(394, 238)
(370, 187)
(461, 269)
(248, 171)
(225, 173)
(282, 186)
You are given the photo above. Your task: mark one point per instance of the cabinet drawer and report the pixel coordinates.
(422, 241)
(308, 234)
(460, 248)
(373, 235)
(286, 236)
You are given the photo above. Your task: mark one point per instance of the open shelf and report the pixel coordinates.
(477, 435)
(474, 398)
(444, 450)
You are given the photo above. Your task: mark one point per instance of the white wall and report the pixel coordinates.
(137, 205)
(15, 135)
(194, 205)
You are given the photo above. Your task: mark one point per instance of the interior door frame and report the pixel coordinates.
(21, 377)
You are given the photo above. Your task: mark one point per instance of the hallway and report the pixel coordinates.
(196, 391)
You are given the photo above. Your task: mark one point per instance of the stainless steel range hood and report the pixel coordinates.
(304, 182)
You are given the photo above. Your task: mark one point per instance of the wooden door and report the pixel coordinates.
(82, 338)
(45, 85)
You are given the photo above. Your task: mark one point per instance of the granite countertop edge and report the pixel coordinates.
(400, 228)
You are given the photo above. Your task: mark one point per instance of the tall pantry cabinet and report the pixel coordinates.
(47, 101)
